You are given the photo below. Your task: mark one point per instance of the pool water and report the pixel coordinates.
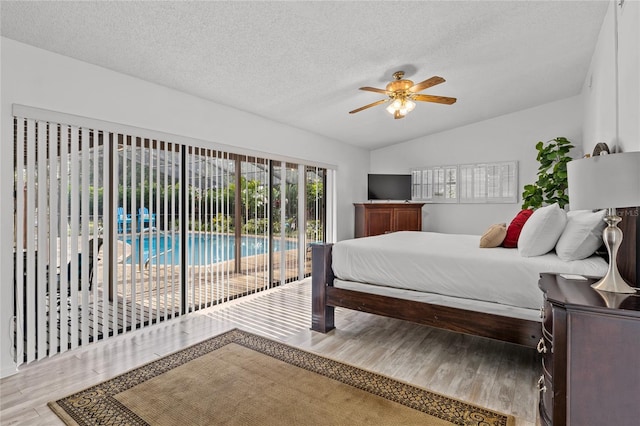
(202, 249)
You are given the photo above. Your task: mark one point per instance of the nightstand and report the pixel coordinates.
(590, 355)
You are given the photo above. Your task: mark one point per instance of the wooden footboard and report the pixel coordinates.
(325, 297)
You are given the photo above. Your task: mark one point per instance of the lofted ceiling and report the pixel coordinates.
(301, 63)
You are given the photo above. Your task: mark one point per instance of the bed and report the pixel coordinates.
(446, 281)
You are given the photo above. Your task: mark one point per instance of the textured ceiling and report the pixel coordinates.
(301, 63)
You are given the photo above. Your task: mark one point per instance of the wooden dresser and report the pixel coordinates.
(590, 355)
(380, 218)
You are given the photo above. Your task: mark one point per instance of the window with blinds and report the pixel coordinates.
(114, 231)
(435, 184)
(489, 182)
(467, 183)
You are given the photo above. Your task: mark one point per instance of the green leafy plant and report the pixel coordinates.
(551, 185)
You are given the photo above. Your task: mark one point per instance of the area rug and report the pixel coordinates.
(238, 378)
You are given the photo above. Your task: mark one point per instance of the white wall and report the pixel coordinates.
(509, 137)
(43, 79)
(599, 89)
(585, 120)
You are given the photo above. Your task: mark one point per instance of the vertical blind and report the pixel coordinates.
(115, 231)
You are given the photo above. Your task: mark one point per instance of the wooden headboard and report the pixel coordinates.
(628, 254)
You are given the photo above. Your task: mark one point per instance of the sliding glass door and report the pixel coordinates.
(115, 231)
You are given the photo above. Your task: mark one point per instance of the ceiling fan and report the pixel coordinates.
(402, 94)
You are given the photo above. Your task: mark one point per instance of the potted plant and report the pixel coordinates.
(551, 185)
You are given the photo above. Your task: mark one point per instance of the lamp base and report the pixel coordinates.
(612, 237)
(613, 285)
(613, 300)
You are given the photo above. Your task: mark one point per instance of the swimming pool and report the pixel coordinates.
(203, 249)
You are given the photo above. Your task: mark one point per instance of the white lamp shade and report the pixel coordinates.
(604, 181)
(409, 105)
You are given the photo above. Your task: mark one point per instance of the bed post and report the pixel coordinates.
(321, 277)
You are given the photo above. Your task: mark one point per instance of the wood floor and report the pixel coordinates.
(492, 374)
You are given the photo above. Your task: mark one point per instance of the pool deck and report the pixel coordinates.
(147, 295)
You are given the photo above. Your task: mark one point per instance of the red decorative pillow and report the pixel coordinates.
(513, 231)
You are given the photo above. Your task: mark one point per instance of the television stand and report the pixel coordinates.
(381, 218)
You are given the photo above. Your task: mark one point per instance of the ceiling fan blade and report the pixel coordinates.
(436, 99)
(373, 89)
(426, 84)
(369, 106)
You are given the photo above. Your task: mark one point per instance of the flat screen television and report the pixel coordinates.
(389, 187)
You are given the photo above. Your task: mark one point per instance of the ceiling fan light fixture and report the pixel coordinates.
(403, 94)
(409, 105)
(401, 106)
(394, 106)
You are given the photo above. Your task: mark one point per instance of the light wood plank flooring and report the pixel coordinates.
(492, 374)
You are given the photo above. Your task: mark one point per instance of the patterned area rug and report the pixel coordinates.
(238, 378)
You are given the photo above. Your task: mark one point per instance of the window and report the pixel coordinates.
(435, 184)
(467, 183)
(489, 182)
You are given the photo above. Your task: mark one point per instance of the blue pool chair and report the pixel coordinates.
(144, 218)
(123, 220)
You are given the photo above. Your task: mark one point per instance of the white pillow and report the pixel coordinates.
(582, 236)
(541, 232)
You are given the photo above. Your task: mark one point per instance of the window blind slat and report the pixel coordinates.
(20, 249)
(31, 293)
(65, 165)
(83, 283)
(107, 229)
(74, 223)
(42, 246)
(130, 311)
(52, 277)
(93, 295)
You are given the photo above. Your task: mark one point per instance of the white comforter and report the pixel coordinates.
(452, 265)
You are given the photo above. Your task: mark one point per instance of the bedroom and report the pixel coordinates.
(584, 116)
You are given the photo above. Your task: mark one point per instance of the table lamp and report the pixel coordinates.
(607, 181)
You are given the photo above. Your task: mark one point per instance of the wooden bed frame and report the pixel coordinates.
(325, 297)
